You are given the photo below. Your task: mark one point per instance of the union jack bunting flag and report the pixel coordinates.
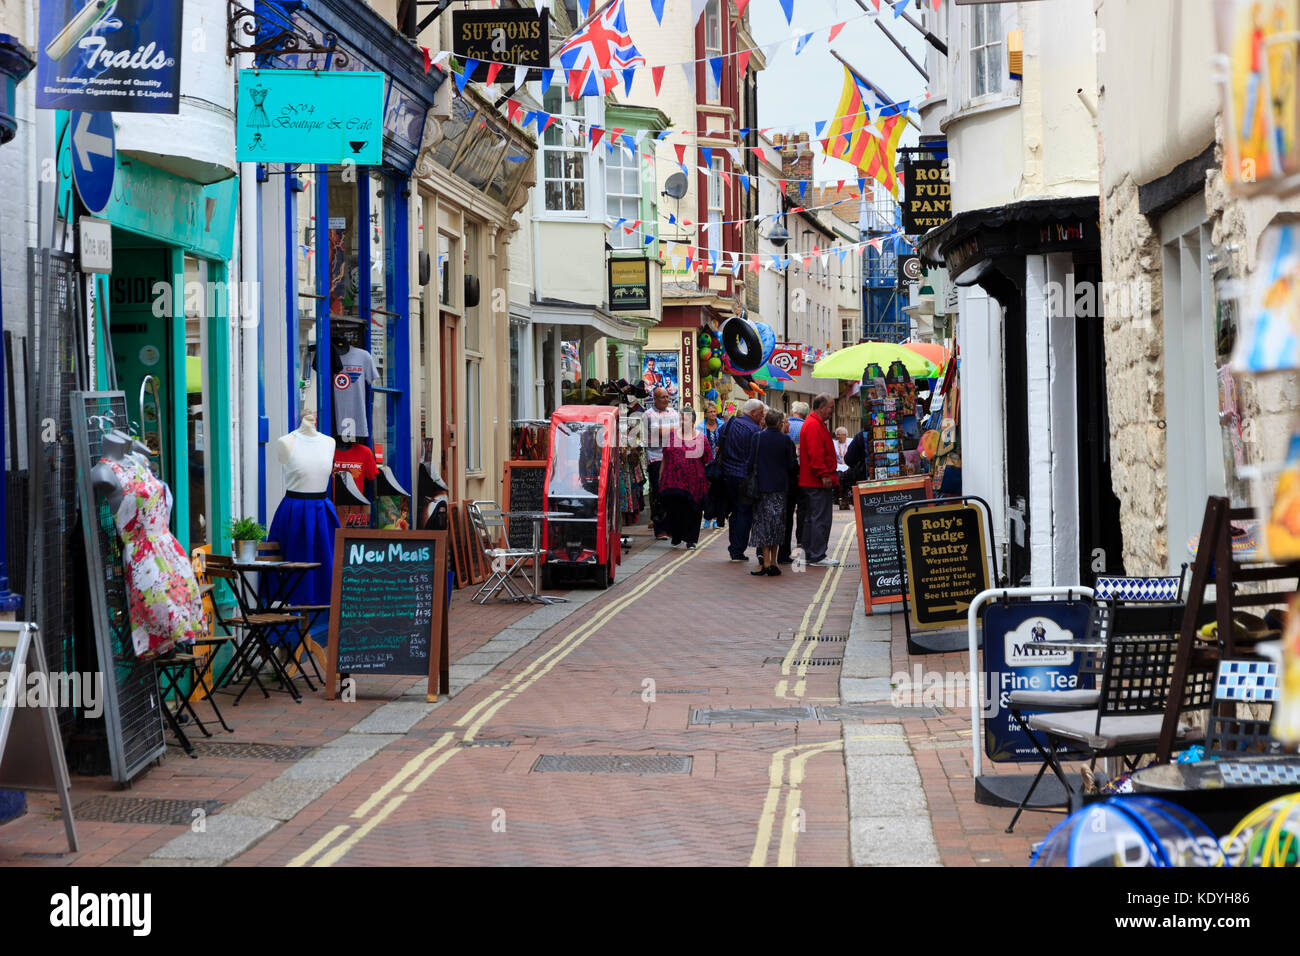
(594, 54)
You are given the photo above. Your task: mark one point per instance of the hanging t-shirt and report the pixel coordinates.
(358, 461)
(350, 392)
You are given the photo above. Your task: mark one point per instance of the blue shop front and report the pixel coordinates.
(336, 335)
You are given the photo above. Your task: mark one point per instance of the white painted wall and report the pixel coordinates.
(983, 445)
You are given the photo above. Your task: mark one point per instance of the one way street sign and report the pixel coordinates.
(93, 158)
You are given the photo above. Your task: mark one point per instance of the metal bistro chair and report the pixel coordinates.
(254, 651)
(1242, 682)
(196, 663)
(1109, 593)
(308, 614)
(1136, 681)
(504, 564)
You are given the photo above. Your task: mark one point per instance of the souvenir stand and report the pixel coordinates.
(582, 480)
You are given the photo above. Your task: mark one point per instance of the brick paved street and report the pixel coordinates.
(621, 676)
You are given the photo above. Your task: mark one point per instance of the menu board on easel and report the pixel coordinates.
(31, 748)
(875, 504)
(387, 614)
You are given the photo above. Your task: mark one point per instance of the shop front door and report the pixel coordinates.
(449, 390)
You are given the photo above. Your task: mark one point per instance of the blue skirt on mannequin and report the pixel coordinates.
(304, 527)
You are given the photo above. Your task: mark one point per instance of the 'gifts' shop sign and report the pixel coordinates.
(101, 56)
(301, 116)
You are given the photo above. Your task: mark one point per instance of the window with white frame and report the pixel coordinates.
(564, 167)
(986, 50)
(716, 199)
(473, 424)
(623, 195)
(712, 48)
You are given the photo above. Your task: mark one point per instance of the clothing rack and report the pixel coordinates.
(1215, 564)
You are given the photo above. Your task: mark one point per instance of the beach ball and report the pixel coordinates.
(706, 354)
(711, 395)
(767, 340)
(1129, 831)
(705, 338)
(715, 364)
(1267, 836)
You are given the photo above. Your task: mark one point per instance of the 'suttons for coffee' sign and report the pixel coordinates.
(513, 37)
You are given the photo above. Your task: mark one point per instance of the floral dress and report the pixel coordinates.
(163, 596)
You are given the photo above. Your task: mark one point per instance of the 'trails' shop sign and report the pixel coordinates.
(927, 196)
(301, 116)
(514, 37)
(100, 56)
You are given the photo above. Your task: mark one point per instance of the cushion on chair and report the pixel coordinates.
(1061, 699)
(1122, 730)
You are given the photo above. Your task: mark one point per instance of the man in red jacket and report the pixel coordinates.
(817, 481)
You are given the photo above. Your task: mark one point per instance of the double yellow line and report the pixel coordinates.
(325, 852)
(823, 596)
(778, 779)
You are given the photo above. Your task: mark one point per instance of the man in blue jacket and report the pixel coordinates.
(736, 449)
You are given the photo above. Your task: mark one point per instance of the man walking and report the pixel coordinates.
(737, 450)
(818, 480)
(660, 424)
(794, 511)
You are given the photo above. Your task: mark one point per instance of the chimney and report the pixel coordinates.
(796, 162)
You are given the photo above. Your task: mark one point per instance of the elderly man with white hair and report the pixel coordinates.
(736, 451)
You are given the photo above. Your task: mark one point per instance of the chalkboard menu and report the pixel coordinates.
(525, 483)
(875, 503)
(386, 613)
(947, 562)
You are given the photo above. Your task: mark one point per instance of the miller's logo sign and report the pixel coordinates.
(1026, 645)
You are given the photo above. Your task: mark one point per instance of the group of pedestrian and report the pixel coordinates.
(770, 480)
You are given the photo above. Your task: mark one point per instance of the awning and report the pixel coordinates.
(626, 331)
(1024, 228)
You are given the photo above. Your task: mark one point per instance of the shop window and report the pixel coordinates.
(380, 320)
(446, 271)
(564, 155)
(473, 425)
(712, 48)
(472, 268)
(986, 49)
(516, 411)
(1194, 461)
(623, 194)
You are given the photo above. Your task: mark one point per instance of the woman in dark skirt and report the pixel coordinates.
(774, 461)
(681, 480)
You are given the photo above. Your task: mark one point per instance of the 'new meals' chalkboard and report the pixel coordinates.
(875, 503)
(386, 608)
(524, 484)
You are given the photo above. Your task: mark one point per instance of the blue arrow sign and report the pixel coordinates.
(93, 158)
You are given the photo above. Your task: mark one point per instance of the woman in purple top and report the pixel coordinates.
(681, 480)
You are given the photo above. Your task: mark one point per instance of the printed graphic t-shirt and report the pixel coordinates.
(358, 461)
(350, 392)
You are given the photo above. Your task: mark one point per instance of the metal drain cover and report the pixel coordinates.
(806, 661)
(250, 751)
(751, 715)
(143, 810)
(874, 711)
(819, 638)
(611, 763)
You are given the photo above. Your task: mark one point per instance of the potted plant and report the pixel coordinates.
(246, 532)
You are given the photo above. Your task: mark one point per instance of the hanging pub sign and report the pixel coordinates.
(629, 284)
(122, 57)
(513, 37)
(302, 116)
(927, 197)
(909, 270)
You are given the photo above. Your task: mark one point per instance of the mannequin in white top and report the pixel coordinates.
(307, 457)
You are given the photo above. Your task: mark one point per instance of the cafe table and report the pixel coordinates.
(254, 602)
(537, 517)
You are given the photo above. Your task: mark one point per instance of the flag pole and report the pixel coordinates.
(930, 38)
(902, 49)
(872, 86)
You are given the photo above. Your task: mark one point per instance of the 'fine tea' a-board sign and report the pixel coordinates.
(386, 615)
(524, 485)
(31, 749)
(946, 554)
(875, 503)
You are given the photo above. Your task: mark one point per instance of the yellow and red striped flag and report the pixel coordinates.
(852, 138)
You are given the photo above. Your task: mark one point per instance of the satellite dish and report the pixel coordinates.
(675, 186)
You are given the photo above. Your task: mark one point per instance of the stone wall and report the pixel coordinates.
(1135, 362)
